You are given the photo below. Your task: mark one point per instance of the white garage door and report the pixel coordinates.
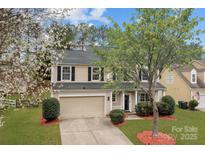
(90, 106)
(201, 102)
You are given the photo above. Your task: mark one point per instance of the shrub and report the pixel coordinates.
(51, 109)
(193, 104)
(163, 108)
(144, 109)
(117, 116)
(167, 106)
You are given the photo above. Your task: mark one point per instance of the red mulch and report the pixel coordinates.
(163, 139)
(120, 124)
(45, 122)
(161, 118)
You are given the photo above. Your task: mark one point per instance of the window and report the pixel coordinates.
(144, 77)
(96, 73)
(193, 76)
(66, 74)
(169, 78)
(144, 97)
(113, 97)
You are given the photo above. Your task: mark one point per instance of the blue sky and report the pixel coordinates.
(120, 15)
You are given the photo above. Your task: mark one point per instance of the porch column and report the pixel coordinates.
(123, 100)
(111, 101)
(135, 97)
(163, 92)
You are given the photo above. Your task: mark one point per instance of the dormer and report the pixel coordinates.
(193, 76)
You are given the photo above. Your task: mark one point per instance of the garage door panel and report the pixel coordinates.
(201, 102)
(82, 106)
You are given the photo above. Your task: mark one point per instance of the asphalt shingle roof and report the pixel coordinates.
(86, 57)
(94, 85)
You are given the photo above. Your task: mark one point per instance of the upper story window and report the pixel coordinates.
(169, 78)
(193, 76)
(144, 77)
(66, 73)
(96, 73)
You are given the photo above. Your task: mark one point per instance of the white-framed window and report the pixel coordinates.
(113, 97)
(169, 78)
(95, 73)
(66, 73)
(193, 76)
(144, 97)
(144, 77)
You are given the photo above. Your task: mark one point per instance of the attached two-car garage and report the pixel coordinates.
(82, 106)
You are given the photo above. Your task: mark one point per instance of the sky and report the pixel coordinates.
(100, 16)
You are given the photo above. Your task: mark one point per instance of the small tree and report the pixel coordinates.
(154, 40)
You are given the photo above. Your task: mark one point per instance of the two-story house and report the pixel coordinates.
(79, 86)
(186, 83)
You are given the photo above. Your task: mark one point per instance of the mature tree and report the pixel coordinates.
(23, 47)
(155, 39)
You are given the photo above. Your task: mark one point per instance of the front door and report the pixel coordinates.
(127, 102)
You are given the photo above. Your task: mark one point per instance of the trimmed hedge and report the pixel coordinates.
(51, 109)
(193, 104)
(117, 116)
(144, 109)
(165, 107)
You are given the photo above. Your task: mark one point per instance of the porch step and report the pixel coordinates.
(130, 113)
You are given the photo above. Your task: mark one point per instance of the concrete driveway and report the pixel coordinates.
(91, 131)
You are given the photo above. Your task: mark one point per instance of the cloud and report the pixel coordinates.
(87, 15)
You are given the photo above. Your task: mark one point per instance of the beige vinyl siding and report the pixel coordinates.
(178, 89)
(81, 73)
(187, 75)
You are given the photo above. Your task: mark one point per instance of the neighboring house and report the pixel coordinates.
(186, 83)
(79, 86)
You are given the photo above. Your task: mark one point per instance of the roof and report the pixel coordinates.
(199, 84)
(94, 85)
(79, 56)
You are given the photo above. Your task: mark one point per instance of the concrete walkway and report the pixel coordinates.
(91, 131)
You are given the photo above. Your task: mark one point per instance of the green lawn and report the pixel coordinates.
(23, 127)
(189, 128)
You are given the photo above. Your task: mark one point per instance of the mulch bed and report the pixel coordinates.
(45, 122)
(163, 139)
(161, 118)
(120, 124)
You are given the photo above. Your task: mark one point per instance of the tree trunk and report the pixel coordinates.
(155, 111)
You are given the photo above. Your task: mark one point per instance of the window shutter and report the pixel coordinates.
(140, 75)
(59, 73)
(73, 74)
(89, 73)
(102, 74)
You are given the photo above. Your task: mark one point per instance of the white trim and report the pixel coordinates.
(111, 101)
(92, 73)
(84, 95)
(130, 102)
(136, 100)
(123, 100)
(62, 73)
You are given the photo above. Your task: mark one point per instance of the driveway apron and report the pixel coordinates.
(91, 131)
